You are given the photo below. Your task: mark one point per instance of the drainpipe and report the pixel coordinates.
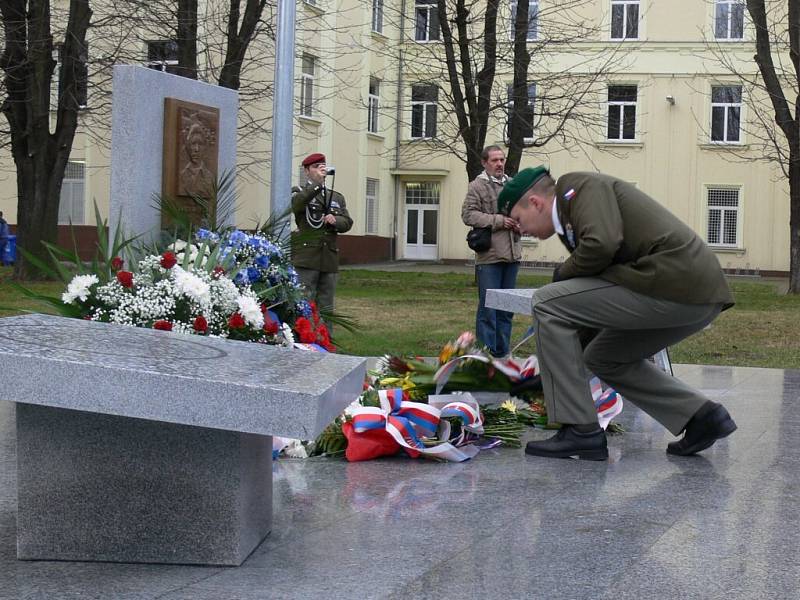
(398, 129)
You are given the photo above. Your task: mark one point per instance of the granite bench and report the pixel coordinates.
(136, 445)
(519, 301)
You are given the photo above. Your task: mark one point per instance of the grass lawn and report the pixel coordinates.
(416, 313)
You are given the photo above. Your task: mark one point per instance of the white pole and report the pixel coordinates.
(282, 110)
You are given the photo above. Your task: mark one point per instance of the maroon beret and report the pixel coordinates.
(313, 159)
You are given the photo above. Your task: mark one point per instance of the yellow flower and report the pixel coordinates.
(509, 406)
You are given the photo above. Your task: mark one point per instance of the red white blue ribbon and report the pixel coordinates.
(607, 403)
(408, 422)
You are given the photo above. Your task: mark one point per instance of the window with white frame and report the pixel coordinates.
(377, 16)
(527, 127)
(533, 19)
(371, 220)
(622, 112)
(71, 201)
(726, 113)
(723, 216)
(162, 55)
(307, 75)
(624, 19)
(729, 19)
(373, 104)
(422, 192)
(423, 110)
(426, 19)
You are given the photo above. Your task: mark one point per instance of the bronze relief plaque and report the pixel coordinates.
(191, 142)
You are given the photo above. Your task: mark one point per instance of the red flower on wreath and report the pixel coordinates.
(162, 325)
(217, 272)
(168, 260)
(236, 321)
(125, 279)
(305, 330)
(116, 263)
(270, 325)
(200, 324)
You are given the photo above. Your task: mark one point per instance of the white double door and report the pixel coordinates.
(422, 231)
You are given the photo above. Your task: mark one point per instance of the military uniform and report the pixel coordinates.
(637, 280)
(315, 252)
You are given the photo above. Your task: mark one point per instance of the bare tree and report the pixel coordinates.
(41, 155)
(772, 96)
(778, 31)
(543, 103)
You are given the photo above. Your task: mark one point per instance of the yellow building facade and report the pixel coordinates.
(372, 95)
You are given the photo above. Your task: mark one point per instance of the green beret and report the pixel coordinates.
(516, 187)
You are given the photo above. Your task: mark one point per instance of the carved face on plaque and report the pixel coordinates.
(194, 176)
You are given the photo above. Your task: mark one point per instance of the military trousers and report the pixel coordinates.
(588, 326)
(321, 288)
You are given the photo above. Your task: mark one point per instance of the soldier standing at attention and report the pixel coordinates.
(637, 280)
(321, 215)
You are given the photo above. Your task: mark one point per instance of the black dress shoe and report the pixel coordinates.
(709, 424)
(569, 442)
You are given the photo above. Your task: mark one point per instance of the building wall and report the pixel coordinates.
(670, 158)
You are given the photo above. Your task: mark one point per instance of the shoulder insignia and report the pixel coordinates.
(569, 194)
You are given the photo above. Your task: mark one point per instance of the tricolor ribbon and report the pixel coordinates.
(407, 422)
(511, 368)
(607, 403)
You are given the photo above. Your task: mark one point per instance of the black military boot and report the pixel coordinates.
(709, 424)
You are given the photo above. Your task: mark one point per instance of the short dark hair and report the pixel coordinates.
(485, 152)
(545, 186)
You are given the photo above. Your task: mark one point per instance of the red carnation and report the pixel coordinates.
(168, 260)
(200, 324)
(305, 331)
(236, 321)
(270, 326)
(218, 271)
(163, 325)
(125, 278)
(116, 263)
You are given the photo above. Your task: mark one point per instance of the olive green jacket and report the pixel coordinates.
(317, 248)
(620, 234)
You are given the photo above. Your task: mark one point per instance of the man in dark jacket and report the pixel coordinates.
(637, 280)
(321, 215)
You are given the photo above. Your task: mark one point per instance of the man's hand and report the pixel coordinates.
(509, 223)
(557, 275)
(330, 219)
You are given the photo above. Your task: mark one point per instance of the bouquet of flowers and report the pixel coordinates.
(260, 263)
(191, 296)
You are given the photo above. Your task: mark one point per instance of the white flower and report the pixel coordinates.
(177, 246)
(79, 288)
(251, 311)
(287, 334)
(189, 284)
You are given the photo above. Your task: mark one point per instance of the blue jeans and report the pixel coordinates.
(493, 327)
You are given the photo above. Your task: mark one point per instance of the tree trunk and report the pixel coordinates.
(186, 37)
(238, 39)
(520, 111)
(40, 156)
(794, 222)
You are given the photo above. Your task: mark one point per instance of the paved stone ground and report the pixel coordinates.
(642, 525)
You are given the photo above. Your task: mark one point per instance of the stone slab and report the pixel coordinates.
(106, 488)
(517, 301)
(137, 141)
(176, 378)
